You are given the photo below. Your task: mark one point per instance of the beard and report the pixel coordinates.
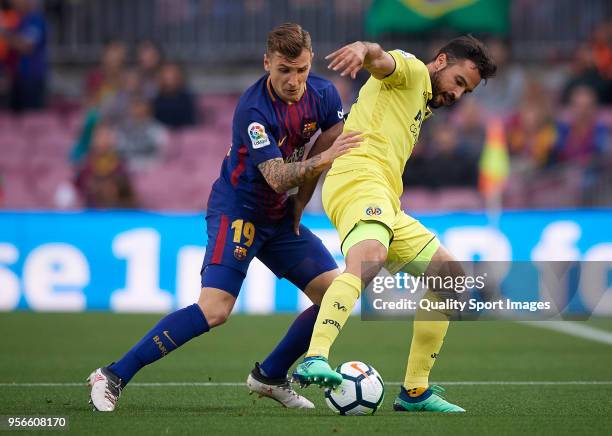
(439, 98)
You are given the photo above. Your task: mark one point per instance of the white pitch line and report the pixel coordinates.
(574, 329)
(232, 384)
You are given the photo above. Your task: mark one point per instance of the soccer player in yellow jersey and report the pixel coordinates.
(361, 197)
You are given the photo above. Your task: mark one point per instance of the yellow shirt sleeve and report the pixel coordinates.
(408, 70)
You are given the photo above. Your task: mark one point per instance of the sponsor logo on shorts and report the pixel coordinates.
(373, 211)
(332, 322)
(434, 355)
(258, 135)
(240, 253)
(339, 306)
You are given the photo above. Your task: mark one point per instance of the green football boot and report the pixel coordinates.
(431, 400)
(316, 370)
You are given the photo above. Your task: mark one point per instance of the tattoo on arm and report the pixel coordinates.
(283, 176)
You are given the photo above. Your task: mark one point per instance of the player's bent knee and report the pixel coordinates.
(446, 263)
(366, 259)
(316, 287)
(217, 305)
(215, 316)
(443, 264)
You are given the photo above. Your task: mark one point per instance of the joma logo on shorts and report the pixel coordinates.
(332, 322)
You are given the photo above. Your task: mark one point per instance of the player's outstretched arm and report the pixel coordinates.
(361, 54)
(283, 176)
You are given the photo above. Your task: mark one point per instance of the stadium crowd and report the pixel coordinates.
(139, 136)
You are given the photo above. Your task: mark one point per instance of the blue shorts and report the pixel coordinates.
(233, 243)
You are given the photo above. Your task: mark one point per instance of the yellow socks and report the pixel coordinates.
(337, 305)
(429, 331)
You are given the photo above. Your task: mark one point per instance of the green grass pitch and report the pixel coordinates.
(64, 348)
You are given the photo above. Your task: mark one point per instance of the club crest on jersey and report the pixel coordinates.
(373, 211)
(240, 253)
(308, 129)
(258, 135)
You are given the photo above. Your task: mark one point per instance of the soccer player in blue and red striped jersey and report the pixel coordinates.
(250, 214)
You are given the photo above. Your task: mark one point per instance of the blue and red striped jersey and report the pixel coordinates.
(264, 128)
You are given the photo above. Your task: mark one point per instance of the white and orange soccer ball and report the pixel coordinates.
(361, 392)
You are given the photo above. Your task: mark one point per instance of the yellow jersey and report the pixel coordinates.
(389, 112)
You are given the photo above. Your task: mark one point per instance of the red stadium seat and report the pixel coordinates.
(39, 122)
(418, 200)
(13, 149)
(18, 193)
(459, 199)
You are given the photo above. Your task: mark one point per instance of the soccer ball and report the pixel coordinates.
(361, 392)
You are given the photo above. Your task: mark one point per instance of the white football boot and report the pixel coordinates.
(105, 389)
(278, 389)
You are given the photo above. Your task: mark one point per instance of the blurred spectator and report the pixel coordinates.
(141, 139)
(105, 80)
(584, 72)
(471, 127)
(346, 91)
(583, 136)
(29, 41)
(116, 108)
(532, 130)
(440, 162)
(9, 21)
(149, 58)
(501, 95)
(452, 165)
(577, 161)
(102, 179)
(601, 46)
(82, 145)
(174, 105)
(417, 170)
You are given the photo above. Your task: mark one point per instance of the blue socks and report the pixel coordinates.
(179, 327)
(170, 333)
(292, 346)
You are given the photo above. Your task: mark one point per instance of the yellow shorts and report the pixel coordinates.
(360, 195)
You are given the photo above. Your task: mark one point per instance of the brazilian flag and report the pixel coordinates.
(408, 16)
